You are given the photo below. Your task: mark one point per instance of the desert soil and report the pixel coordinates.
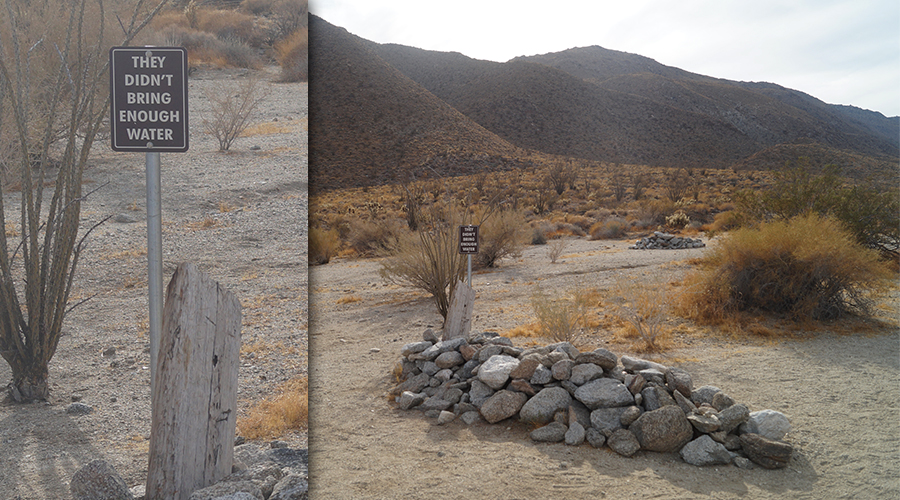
(840, 391)
(241, 217)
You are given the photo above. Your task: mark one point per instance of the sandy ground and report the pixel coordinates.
(840, 391)
(241, 217)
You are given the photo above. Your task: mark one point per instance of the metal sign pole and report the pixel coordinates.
(154, 259)
(470, 270)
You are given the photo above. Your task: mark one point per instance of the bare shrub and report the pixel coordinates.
(561, 318)
(644, 306)
(557, 246)
(560, 175)
(226, 24)
(502, 234)
(373, 237)
(232, 108)
(618, 186)
(808, 267)
(639, 182)
(429, 259)
(678, 184)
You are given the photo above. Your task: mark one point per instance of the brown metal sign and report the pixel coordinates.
(148, 91)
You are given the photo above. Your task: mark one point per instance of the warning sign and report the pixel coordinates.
(148, 87)
(468, 239)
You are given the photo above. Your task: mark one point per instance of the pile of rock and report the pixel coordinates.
(666, 241)
(586, 396)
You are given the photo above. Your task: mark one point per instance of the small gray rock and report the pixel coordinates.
(595, 438)
(99, 481)
(704, 451)
(502, 405)
(291, 487)
(410, 400)
(495, 371)
(604, 393)
(542, 375)
(553, 432)
(78, 409)
(575, 435)
(445, 417)
(769, 424)
(623, 442)
(541, 408)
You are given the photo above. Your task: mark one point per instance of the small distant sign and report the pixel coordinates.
(468, 239)
(149, 111)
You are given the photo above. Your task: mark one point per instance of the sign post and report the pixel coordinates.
(468, 244)
(149, 114)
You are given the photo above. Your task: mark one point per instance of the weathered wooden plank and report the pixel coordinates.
(194, 403)
(459, 317)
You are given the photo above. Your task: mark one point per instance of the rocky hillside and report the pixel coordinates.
(589, 103)
(370, 124)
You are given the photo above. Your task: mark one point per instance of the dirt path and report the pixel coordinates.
(841, 393)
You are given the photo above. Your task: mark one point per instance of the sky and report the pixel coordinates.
(839, 51)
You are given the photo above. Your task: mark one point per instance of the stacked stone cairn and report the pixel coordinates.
(666, 241)
(577, 396)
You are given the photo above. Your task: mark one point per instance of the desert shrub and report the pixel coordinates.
(291, 54)
(678, 220)
(258, 7)
(871, 215)
(556, 249)
(613, 227)
(808, 267)
(723, 221)
(373, 236)
(538, 236)
(207, 48)
(502, 234)
(232, 108)
(678, 184)
(643, 307)
(561, 318)
(226, 24)
(323, 245)
(429, 259)
(654, 211)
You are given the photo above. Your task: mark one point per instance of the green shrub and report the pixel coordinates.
(871, 215)
(808, 267)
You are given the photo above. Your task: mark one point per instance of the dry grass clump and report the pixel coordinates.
(272, 417)
(323, 245)
(562, 318)
(291, 54)
(611, 228)
(643, 308)
(807, 267)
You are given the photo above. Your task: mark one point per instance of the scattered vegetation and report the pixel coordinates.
(871, 215)
(273, 417)
(807, 267)
(255, 33)
(562, 318)
(643, 307)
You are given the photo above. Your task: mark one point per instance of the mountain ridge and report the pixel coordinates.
(602, 105)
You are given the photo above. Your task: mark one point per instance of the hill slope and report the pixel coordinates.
(609, 105)
(370, 124)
